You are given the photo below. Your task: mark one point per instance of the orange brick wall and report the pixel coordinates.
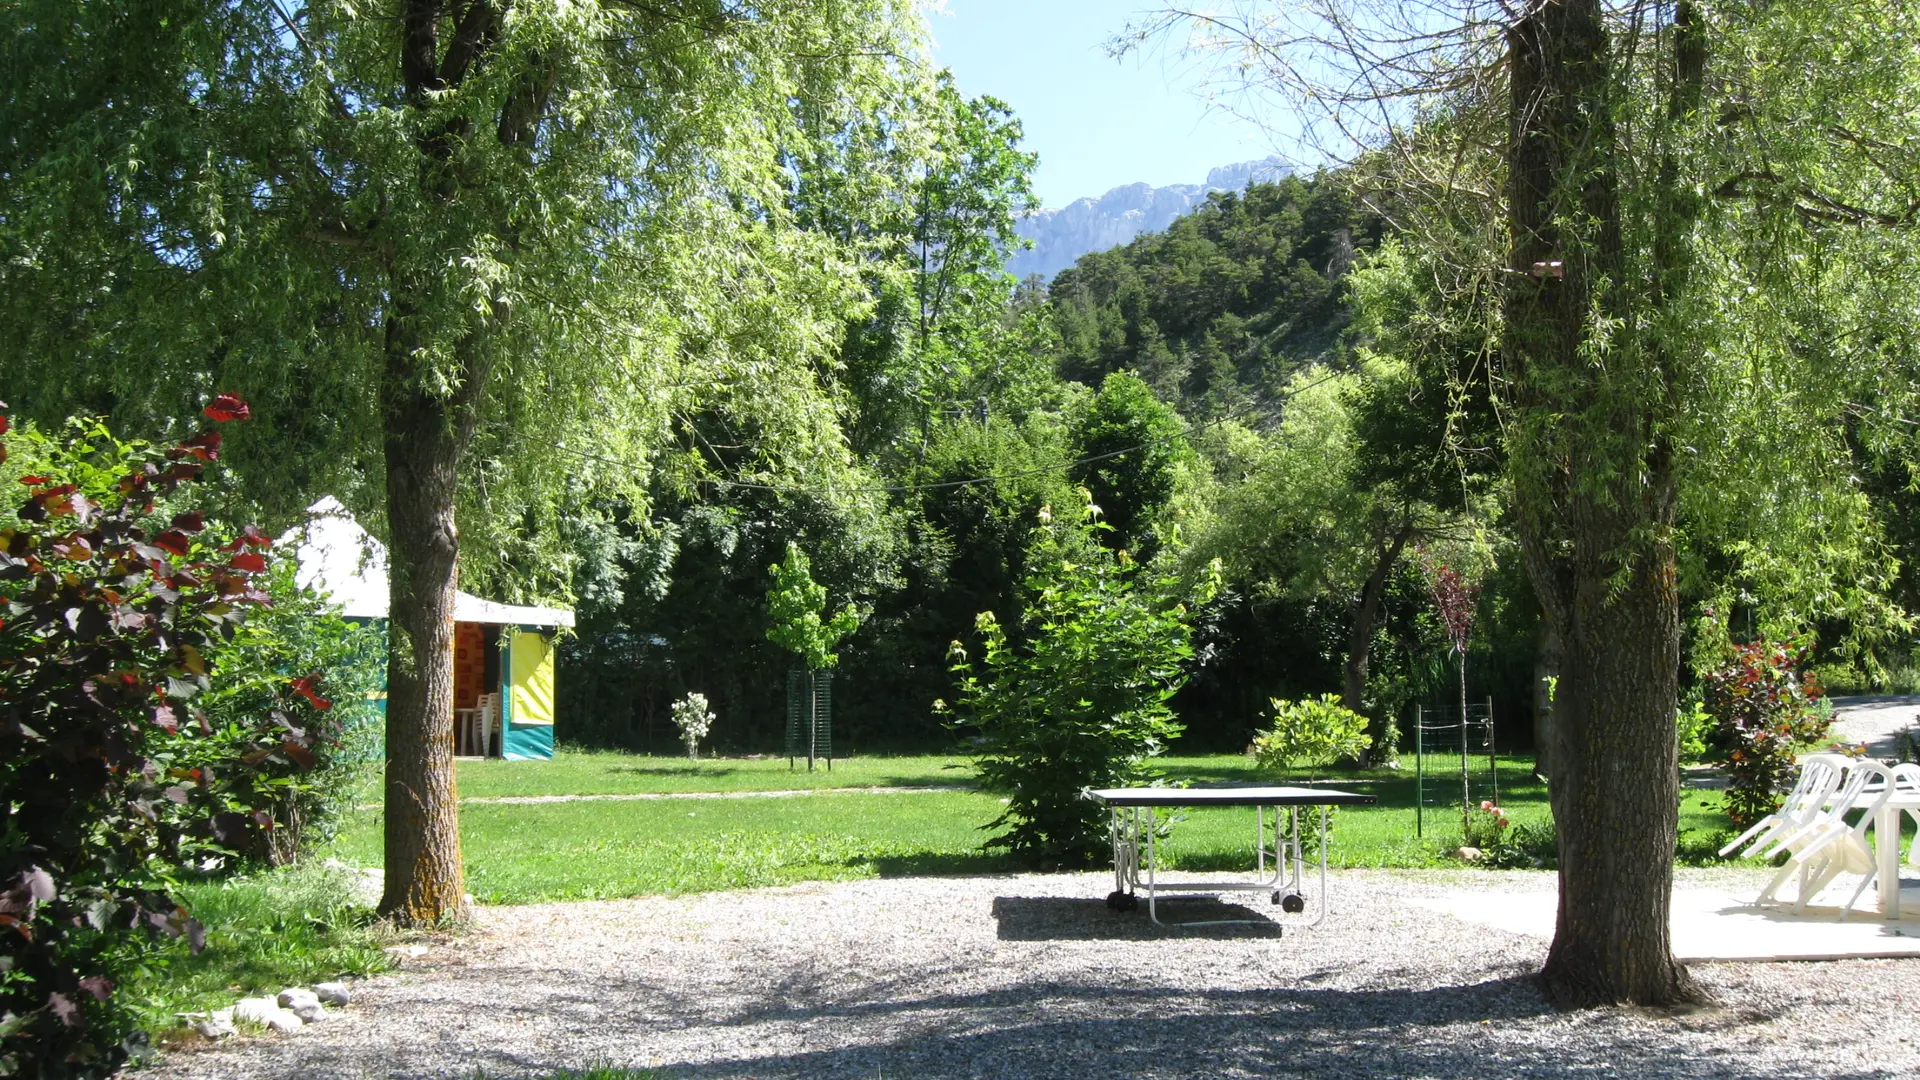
(469, 665)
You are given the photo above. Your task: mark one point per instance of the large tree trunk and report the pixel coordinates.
(1615, 783)
(425, 442)
(429, 421)
(1595, 493)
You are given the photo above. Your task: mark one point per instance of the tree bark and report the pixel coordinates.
(424, 882)
(426, 439)
(1595, 490)
(429, 422)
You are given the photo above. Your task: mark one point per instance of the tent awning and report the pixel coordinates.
(337, 557)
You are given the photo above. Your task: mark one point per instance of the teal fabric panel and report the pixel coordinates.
(519, 743)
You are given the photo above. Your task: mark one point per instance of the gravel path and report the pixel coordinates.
(1875, 720)
(1031, 976)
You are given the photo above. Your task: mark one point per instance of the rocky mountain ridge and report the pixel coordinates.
(1061, 235)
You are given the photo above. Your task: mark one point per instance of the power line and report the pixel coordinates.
(896, 489)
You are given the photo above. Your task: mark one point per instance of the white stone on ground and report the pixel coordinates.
(219, 1025)
(293, 997)
(254, 1010)
(1031, 976)
(333, 993)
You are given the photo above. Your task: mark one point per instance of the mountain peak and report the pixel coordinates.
(1062, 234)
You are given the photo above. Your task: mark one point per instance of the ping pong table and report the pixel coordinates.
(1136, 828)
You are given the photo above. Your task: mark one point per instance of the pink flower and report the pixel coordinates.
(1486, 804)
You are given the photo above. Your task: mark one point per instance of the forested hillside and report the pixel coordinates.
(1178, 354)
(1219, 310)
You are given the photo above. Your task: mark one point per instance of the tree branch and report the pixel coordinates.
(1811, 203)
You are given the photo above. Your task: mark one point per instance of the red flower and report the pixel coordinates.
(307, 687)
(227, 407)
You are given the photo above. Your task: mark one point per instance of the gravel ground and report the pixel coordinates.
(1031, 976)
(1875, 720)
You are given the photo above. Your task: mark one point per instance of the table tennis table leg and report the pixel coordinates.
(1153, 911)
(1321, 917)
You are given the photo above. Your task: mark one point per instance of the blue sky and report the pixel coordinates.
(1096, 122)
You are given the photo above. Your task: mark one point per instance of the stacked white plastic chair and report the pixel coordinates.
(1820, 776)
(1829, 846)
(1906, 781)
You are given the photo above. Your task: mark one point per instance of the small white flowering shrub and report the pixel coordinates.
(690, 715)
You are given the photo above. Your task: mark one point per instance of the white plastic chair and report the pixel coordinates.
(1820, 776)
(1906, 781)
(489, 725)
(1829, 846)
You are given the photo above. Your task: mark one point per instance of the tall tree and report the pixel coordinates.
(429, 237)
(1353, 475)
(1615, 326)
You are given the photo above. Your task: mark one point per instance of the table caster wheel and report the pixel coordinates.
(1276, 896)
(1293, 903)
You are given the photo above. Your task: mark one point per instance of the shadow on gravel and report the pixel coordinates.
(1073, 918)
(1497, 1028)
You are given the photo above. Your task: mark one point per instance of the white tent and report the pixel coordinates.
(339, 558)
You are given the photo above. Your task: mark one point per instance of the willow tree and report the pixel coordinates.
(460, 254)
(1700, 211)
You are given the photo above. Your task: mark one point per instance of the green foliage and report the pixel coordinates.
(1128, 445)
(1764, 703)
(797, 606)
(271, 670)
(1081, 701)
(591, 219)
(1313, 732)
(945, 339)
(116, 609)
(1693, 725)
(265, 931)
(1529, 845)
(1222, 305)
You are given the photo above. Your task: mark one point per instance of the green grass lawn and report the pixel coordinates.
(266, 931)
(574, 772)
(525, 853)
